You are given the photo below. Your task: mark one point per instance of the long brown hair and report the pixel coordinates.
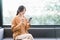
(20, 9)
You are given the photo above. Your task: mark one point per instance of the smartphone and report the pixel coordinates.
(30, 19)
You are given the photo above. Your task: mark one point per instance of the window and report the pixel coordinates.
(43, 12)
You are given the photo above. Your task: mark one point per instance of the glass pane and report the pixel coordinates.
(43, 12)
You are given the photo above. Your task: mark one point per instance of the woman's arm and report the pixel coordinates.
(15, 27)
(28, 25)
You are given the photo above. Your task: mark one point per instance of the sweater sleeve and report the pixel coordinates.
(15, 27)
(28, 25)
(13, 24)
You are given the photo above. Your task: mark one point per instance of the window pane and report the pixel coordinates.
(43, 12)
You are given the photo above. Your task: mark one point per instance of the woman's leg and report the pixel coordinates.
(29, 36)
(25, 37)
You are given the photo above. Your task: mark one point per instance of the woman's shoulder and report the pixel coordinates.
(14, 18)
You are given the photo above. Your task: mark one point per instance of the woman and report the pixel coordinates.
(20, 26)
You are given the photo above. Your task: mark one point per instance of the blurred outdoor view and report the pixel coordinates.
(43, 12)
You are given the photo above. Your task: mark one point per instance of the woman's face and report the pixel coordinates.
(23, 12)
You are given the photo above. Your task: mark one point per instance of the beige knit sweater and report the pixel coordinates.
(19, 26)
